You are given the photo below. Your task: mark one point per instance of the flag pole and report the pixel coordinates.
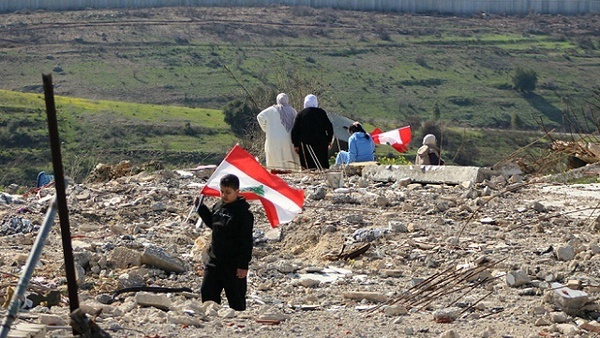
(199, 221)
(194, 209)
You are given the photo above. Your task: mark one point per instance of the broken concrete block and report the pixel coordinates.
(517, 278)
(565, 253)
(446, 315)
(568, 300)
(424, 174)
(123, 258)
(28, 330)
(159, 258)
(50, 319)
(159, 301)
(574, 284)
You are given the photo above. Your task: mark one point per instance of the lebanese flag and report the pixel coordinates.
(281, 202)
(397, 138)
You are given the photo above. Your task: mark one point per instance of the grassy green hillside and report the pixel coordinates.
(99, 131)
(104, 131)
(385, 69)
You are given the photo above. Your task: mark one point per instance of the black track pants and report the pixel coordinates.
(217, 278)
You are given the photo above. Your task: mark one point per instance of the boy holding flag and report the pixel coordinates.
(230, 249)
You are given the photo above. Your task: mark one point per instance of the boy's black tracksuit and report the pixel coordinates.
(230, 249)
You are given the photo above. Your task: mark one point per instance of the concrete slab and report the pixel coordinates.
(28, 330)
(424, 173)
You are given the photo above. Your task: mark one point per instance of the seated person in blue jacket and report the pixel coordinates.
(361, 147)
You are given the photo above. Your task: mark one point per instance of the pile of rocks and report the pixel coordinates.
(503, 257)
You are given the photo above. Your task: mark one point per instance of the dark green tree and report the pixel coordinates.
(524, 80)
(241, 116)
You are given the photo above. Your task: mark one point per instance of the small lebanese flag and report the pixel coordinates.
(281, 202)
(397, 138)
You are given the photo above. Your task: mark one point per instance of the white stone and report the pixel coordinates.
(517, 278)
(273, 235)
(569, 301)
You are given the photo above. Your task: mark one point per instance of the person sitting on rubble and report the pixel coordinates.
(231, 244)
(361, 147)
(429, 153)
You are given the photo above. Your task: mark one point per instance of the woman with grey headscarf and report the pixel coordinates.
(312, 135)
(277, 122)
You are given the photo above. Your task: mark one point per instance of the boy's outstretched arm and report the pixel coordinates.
(204, 212)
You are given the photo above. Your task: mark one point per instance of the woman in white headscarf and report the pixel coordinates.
(429, 153)
(277, 122)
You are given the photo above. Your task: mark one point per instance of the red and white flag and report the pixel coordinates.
(281, 202)
(397, 138)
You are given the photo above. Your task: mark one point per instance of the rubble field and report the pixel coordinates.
(511, 256)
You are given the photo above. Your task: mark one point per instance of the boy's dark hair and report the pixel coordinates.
(230, 181)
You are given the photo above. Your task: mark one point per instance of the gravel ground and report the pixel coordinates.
(437, 264)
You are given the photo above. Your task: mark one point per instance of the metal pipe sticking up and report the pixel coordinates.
(34, 256)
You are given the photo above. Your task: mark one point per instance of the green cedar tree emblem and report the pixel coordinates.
(259, 190)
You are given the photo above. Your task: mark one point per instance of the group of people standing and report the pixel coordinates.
(303, 139)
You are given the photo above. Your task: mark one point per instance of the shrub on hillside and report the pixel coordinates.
(241, 117)
(524, 80)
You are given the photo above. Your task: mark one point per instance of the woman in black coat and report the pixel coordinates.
(312, 135)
